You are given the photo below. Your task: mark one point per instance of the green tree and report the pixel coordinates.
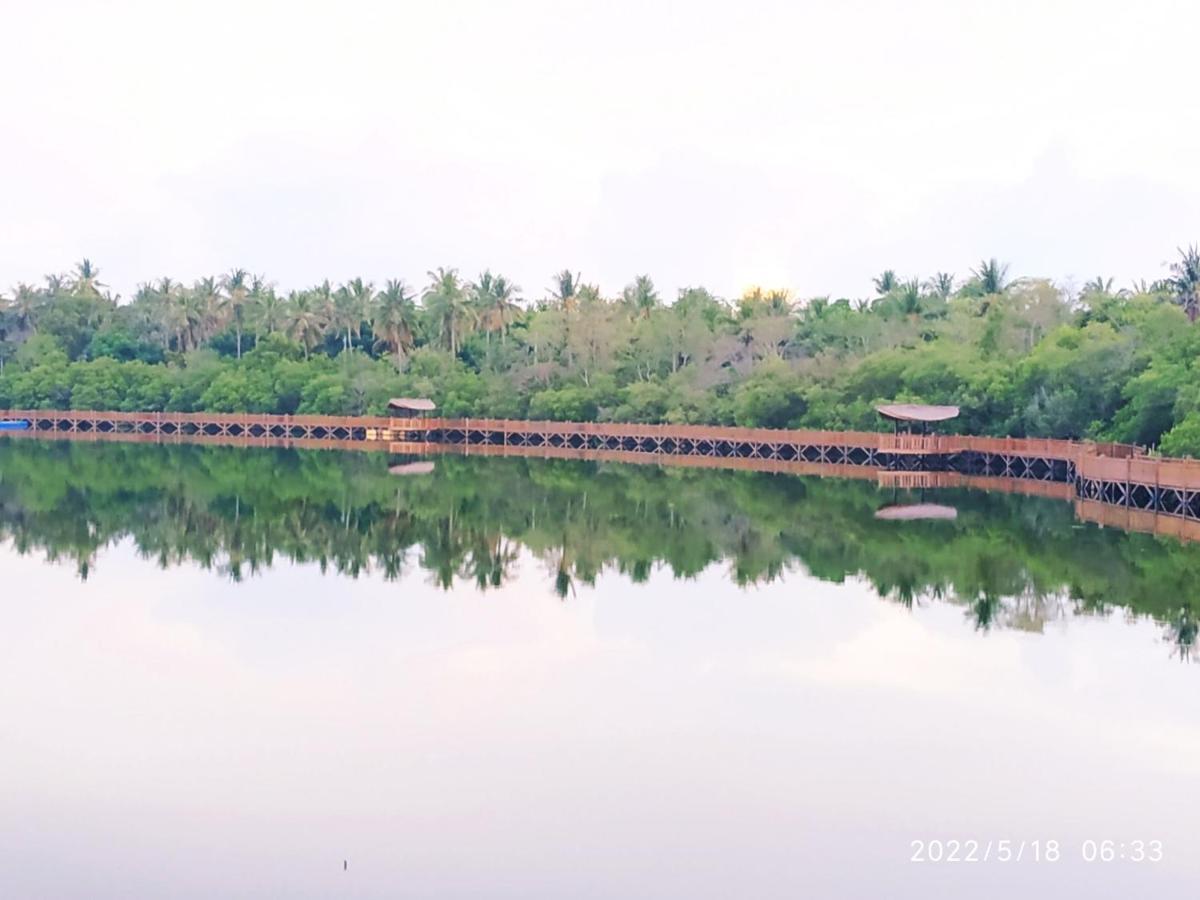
(200, 313)
(25, 307)
(449, 307)
(886, 282)
(306, 318)
(770, 398)
(351, 307)
(495, 304)
(941, 285)
(641, 296)
(991, 276)
(269, 309)
(1098, 285)
(908, 298)
(233, 302)
(565, 288)
(1185, 281)
(394, 318)
(86, 282)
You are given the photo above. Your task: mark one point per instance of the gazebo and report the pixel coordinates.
(913, 414)
(419, 406)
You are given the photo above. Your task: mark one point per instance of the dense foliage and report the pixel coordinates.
(1010, 561)
(1021, 357)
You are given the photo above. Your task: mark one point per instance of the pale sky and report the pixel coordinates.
(802, 144)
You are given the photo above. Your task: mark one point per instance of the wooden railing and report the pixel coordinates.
(1102, 461)
(201, 418)
(882, 441)
(1166, 472)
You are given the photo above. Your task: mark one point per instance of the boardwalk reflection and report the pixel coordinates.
(1014, 556)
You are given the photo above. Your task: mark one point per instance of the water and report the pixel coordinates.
(227, 671)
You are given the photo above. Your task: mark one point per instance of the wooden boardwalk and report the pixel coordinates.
(1101, 476)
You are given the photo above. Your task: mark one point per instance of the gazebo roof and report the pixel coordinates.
(416, 404)
(421, 467)
(915, 511)
(916, 412)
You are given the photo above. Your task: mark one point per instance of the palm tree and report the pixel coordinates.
(1159, 286)
(641, 295)
(394, 318)
(1185, 281)
(155, 306)
(991, 276)
(908, 297)
(771, 302)
(208, 312)
(237, 289)
(86, 282)
(193, 314)
(941, 285)
(323, 297)
(449, 306)
(25, 307)
(1098, 285)
(495, 305)
(351, 307)
(490, 560)
(886, 282)
(57, 285)
(269, 311)
(588, 293)
(565, 289)
(307, 318)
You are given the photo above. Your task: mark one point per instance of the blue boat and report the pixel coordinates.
(14, 425)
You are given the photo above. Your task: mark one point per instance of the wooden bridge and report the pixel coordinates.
(1110, 476)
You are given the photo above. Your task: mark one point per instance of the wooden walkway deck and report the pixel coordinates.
(701, 440)
(1114, 476)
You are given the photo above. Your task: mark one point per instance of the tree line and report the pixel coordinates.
(1020, 356)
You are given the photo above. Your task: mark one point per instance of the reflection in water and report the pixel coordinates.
(911, 512)
(276, 661)
(1013, 562)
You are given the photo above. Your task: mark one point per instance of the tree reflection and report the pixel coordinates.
(1012, 562)
(1182, 630)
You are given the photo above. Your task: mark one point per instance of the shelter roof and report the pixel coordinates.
(916, 412)
(416, 404)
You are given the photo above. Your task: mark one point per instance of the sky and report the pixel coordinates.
(807, 145)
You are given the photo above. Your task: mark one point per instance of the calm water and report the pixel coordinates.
(226, 671)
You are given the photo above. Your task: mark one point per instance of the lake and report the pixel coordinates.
(277, 673)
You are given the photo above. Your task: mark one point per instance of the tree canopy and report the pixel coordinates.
(1020, 355)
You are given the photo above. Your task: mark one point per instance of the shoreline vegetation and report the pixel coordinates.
(1009, 561)
(1019, 356)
